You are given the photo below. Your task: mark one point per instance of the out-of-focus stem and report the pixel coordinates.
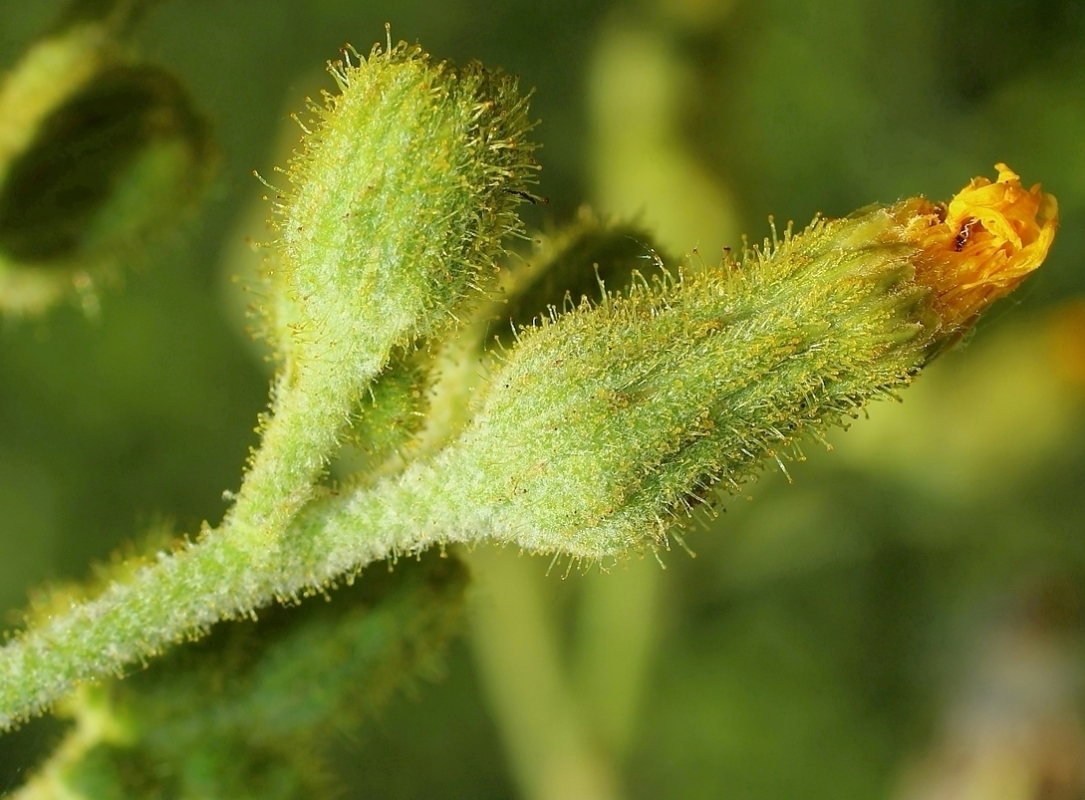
(516, 648)
(617, 632)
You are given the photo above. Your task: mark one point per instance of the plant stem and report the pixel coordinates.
(516, 646)
(181, 594)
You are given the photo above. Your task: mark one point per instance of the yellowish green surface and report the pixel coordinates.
(839, 637)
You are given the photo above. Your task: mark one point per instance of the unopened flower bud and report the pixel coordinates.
(404, 186)
(607, 422)
(401, 195)
(97, 152)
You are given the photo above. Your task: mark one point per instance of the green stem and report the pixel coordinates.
(551, 750)
(617, 633)
(297, 442)
(182, 594)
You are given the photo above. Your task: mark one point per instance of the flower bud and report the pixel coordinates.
(401, 195)
(96, 152)
(404, 186)
(607, 422)
(573, 263)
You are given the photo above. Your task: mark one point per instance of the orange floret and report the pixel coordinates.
(981, 245)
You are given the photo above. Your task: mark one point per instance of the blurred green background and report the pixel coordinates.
(903, 621)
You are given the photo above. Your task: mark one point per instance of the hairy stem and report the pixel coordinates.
(181, 594)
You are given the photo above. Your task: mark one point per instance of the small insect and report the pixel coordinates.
(534, 199)
(964, 233)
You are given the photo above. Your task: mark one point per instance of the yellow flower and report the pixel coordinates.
(981, 245)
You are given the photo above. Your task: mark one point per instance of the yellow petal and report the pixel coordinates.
(981, 245)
